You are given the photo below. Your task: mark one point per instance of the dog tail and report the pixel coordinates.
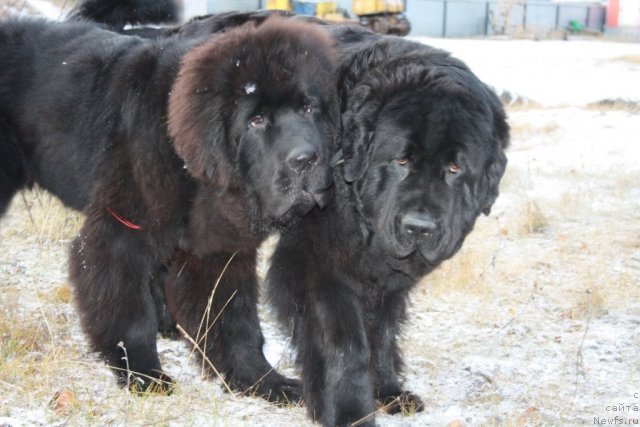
(118, 13)
(14, 175)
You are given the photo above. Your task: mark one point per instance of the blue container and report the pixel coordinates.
(304, 8)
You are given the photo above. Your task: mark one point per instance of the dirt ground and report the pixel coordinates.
(535, 322)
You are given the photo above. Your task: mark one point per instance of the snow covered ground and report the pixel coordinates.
(552, 72)
(535, 322)
(41, 8)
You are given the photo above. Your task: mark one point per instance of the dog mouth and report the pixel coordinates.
(427, 249)
(297, 197)
(430, 253)
(407, 241)
(304, 202)
(321, 196)
(294, 208)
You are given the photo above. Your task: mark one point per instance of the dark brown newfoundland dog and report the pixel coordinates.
(198, 146)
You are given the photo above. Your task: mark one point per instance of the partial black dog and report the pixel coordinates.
(198, 146)
(16, 171)
(119, 13)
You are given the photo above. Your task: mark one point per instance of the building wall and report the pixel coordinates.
(464, 18)
(439, 18)
(217, 6)
(623, 19)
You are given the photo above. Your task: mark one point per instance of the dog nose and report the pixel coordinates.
(418, 224)
(301, 158)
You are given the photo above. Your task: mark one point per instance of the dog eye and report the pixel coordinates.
(256, 121)
(307, 109)
(403, 161)
(453, 168)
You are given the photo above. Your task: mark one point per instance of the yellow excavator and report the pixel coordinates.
(381, 16)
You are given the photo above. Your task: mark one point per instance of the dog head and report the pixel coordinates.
(423, 147)
(256, 108)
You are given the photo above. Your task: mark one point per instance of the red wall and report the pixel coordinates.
(613, 10)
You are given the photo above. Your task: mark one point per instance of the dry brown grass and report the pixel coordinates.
(40, 362)
(525, 130)
(472, 269)
(42, 215)
(35, 352)
(599, 286)
(522, 105)
(616, 105)
(533, 220)
(21, 338)
(632, 59)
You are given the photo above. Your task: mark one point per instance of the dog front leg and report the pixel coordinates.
(214, 299)
(335, 358)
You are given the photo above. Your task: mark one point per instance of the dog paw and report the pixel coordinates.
(155, 383)
(405, 403)
(287, 392)
(274, 387)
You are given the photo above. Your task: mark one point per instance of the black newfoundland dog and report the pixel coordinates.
(423, 145)
(198, 146)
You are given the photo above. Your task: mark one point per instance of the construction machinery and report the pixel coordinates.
(381, 16)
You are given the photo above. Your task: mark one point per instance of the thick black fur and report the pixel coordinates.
(423, 142)
(206, 144)
(118, 13)
(13, 168)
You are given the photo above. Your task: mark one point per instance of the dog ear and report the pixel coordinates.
(200, 142)
(358, 130)
(493, 174)
(356, 155)
(198, 112)
(360, 107)
(498, 164)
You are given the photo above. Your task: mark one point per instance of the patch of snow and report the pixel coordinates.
(250, 88)
(552, 72)
(46, 9)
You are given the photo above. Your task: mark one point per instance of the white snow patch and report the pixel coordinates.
(250, 88)
(551, 72)
(46, 9)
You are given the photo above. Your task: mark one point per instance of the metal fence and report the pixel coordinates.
(464, 18)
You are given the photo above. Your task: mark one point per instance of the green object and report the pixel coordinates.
(576, 27)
